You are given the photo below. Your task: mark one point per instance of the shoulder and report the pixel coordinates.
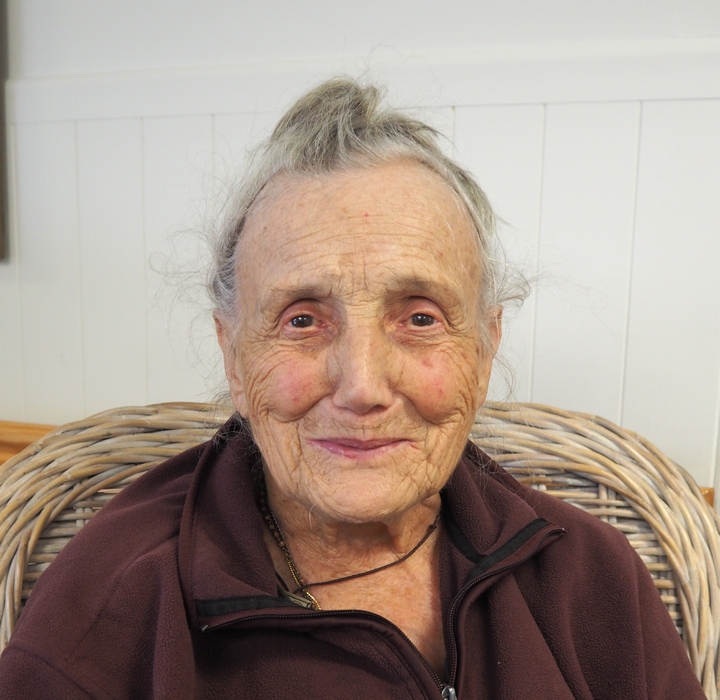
(593, 554)
(583, 530)
(131, 544)
(581, 527)
(595, 599)
(593, 564)
(142, 516)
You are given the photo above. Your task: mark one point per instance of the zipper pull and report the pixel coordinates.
(448, 693)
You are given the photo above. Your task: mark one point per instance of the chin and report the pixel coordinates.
(360, 503)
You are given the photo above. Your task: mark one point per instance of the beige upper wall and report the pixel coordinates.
(63, 37)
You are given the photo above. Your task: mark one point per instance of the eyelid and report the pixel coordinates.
(287, 321)
(299, 307)
(425, 306)
(321, 315)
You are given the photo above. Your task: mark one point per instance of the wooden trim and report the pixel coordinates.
(15, 437)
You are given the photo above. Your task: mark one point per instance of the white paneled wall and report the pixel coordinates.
(177, 182)
(673, 350)
(609, 205)
(12, 390)
(503, 146)
(112, 263)
(586, 228)
(49, 267)
(614, 207)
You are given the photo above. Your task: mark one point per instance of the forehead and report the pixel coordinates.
(377, 225)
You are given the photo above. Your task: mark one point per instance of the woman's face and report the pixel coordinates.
(358, 359)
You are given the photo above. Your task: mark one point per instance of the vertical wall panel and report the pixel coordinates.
(12, 393)
(49, 271)
(503, 146)
(589, 178)
(673, 364)
(233, 135)
(178, 186)
(12, 400)
(112, 262)
(442, 119)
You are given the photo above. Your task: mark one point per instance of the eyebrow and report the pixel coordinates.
(278, 295)
(417, 286)
(406, 285)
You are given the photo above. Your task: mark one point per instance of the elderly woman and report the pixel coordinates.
(339, 537)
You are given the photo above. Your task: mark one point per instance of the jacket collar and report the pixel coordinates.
(226, 569)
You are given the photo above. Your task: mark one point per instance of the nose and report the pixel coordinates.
(360, 367)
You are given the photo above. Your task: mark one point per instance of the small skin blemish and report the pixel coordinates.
(366, 214)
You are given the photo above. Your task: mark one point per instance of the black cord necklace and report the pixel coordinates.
(301, 591)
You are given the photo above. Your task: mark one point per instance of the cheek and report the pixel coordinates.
(288, 389)
(445, 383)
(435, 381)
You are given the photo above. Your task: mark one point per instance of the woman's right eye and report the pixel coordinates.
(302, 321)
(422, 320)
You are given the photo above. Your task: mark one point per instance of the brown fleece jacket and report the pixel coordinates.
(170, 593)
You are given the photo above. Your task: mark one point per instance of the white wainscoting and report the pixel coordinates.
(605, 170)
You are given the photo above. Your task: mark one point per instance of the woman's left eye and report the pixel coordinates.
(422, 320)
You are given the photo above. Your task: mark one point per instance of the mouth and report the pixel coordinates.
(359, 449)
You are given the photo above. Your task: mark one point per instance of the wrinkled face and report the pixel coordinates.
(358, 360)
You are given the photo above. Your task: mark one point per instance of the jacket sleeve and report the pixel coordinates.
(602, 616)
(24, 676)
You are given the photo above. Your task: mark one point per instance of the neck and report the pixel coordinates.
(323, 548)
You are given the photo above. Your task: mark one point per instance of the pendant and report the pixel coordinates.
(304, 601)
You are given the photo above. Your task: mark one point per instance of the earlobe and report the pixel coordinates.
(233, 372)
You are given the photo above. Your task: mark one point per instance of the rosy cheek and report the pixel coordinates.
(442, 382)
(296, 387)
(438, 387)
(435, 395)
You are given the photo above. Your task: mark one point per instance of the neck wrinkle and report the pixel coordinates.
(324, 550)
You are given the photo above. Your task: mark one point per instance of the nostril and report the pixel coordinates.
(362, 396)
(362, 387)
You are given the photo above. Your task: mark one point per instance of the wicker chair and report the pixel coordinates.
(49, 491)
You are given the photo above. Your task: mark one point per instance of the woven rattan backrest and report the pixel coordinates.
(49, 491)
(624, 480)
(52, 488)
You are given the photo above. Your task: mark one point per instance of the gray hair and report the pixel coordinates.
(342, 125)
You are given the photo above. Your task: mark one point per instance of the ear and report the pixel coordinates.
(493, 329)
(227, 339)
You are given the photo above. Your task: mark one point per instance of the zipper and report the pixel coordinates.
(447, 690)
(459, 598)
(442, 687)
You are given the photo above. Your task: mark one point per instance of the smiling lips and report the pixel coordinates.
(359, 449)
